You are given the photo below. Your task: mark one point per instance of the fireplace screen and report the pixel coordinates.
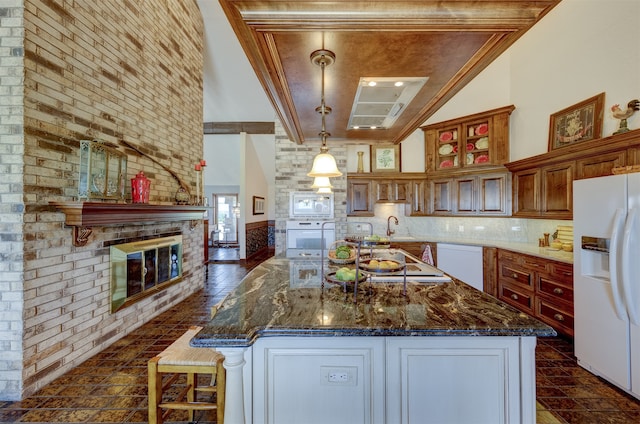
(142, 268)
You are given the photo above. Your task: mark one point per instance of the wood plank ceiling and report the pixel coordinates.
(449, 42)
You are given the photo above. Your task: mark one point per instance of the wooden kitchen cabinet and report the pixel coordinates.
(391, 191)
(364, 190)
(540, 287)
(473, 141)
(477, 194)
(545, 191)
(543, 184)
(359, 197)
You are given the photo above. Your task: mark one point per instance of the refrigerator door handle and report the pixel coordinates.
(618, 223)
(626, 277)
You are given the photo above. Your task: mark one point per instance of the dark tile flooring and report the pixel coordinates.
(111, 387)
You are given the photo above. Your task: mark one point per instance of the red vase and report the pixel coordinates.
(140, 187)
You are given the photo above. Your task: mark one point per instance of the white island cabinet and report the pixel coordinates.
(444, 353)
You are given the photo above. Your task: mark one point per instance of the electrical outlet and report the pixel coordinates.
(345, 376)
(338, 377)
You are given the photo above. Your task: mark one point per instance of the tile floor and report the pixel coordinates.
(111, 387)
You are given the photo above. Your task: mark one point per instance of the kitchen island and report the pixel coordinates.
(298, 350)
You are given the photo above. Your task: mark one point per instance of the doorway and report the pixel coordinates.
(226, 211)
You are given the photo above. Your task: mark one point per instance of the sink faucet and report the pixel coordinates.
(389, 230)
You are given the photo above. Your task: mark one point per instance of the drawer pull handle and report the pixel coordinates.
(558, 291)
(514, 275)
(514, 296)
(559, 317)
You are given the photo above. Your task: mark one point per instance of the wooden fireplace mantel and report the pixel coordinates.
(82, 216)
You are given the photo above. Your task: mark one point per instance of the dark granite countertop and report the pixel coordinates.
(269, 302)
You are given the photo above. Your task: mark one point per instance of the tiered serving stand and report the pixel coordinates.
(363, 264)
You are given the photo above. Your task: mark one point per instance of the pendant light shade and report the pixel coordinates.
(324, 190)
(321, 182)
(324, 165)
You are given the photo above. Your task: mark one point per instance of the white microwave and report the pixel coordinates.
(308, 204)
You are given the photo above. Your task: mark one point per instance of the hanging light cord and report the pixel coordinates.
(323, 106)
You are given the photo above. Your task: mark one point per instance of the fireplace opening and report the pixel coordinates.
(141, 268)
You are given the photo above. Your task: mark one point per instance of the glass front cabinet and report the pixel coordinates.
(475, 141)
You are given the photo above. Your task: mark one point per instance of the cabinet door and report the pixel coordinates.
(439, 380)
(466, 190)
(448, 148)
(384, 191)
(526, 193)
(359, 198)
(493, 194)
(441, 197)
(417, 198)
(400, 191)
(557, 190)
(600, 165)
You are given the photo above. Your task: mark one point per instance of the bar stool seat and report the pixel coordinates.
(179, 359)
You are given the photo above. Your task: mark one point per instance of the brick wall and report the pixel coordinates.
(11, 205)
(293, 161)
(113, 70)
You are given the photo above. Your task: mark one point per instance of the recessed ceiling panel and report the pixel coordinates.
(448, 42)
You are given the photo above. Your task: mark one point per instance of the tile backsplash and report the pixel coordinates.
(515, 230)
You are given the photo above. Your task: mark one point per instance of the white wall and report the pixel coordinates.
(581, 48)
(260, 173)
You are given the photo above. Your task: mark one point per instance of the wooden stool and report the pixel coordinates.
(180, 358)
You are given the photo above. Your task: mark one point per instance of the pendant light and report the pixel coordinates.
(324, 165)
(322, 184)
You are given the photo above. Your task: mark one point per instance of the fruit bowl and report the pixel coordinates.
(336, 255)
(380, 265)
(338, 277)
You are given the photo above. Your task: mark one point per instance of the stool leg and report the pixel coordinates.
(155, 392)
(192, 379)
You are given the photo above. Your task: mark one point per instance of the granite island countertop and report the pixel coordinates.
(267, 303)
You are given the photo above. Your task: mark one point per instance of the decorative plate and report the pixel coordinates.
(446, 164)
(446, 136)
(482, 129)
(483, 143)
(470, 147)
(446, 149)
(482, 159)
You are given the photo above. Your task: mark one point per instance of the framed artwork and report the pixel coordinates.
(385, 158)
(580, 122)
(258, 205)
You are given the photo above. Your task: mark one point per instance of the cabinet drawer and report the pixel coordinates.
(516, 297)
(507, 255)
(555, 315)
(533, 263)
(562, 272)
(554, 290)
(516, 275)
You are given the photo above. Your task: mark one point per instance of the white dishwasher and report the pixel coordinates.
(462, 262)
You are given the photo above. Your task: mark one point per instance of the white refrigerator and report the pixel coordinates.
(606, 220)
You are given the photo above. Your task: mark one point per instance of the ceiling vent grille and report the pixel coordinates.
(379, 102)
